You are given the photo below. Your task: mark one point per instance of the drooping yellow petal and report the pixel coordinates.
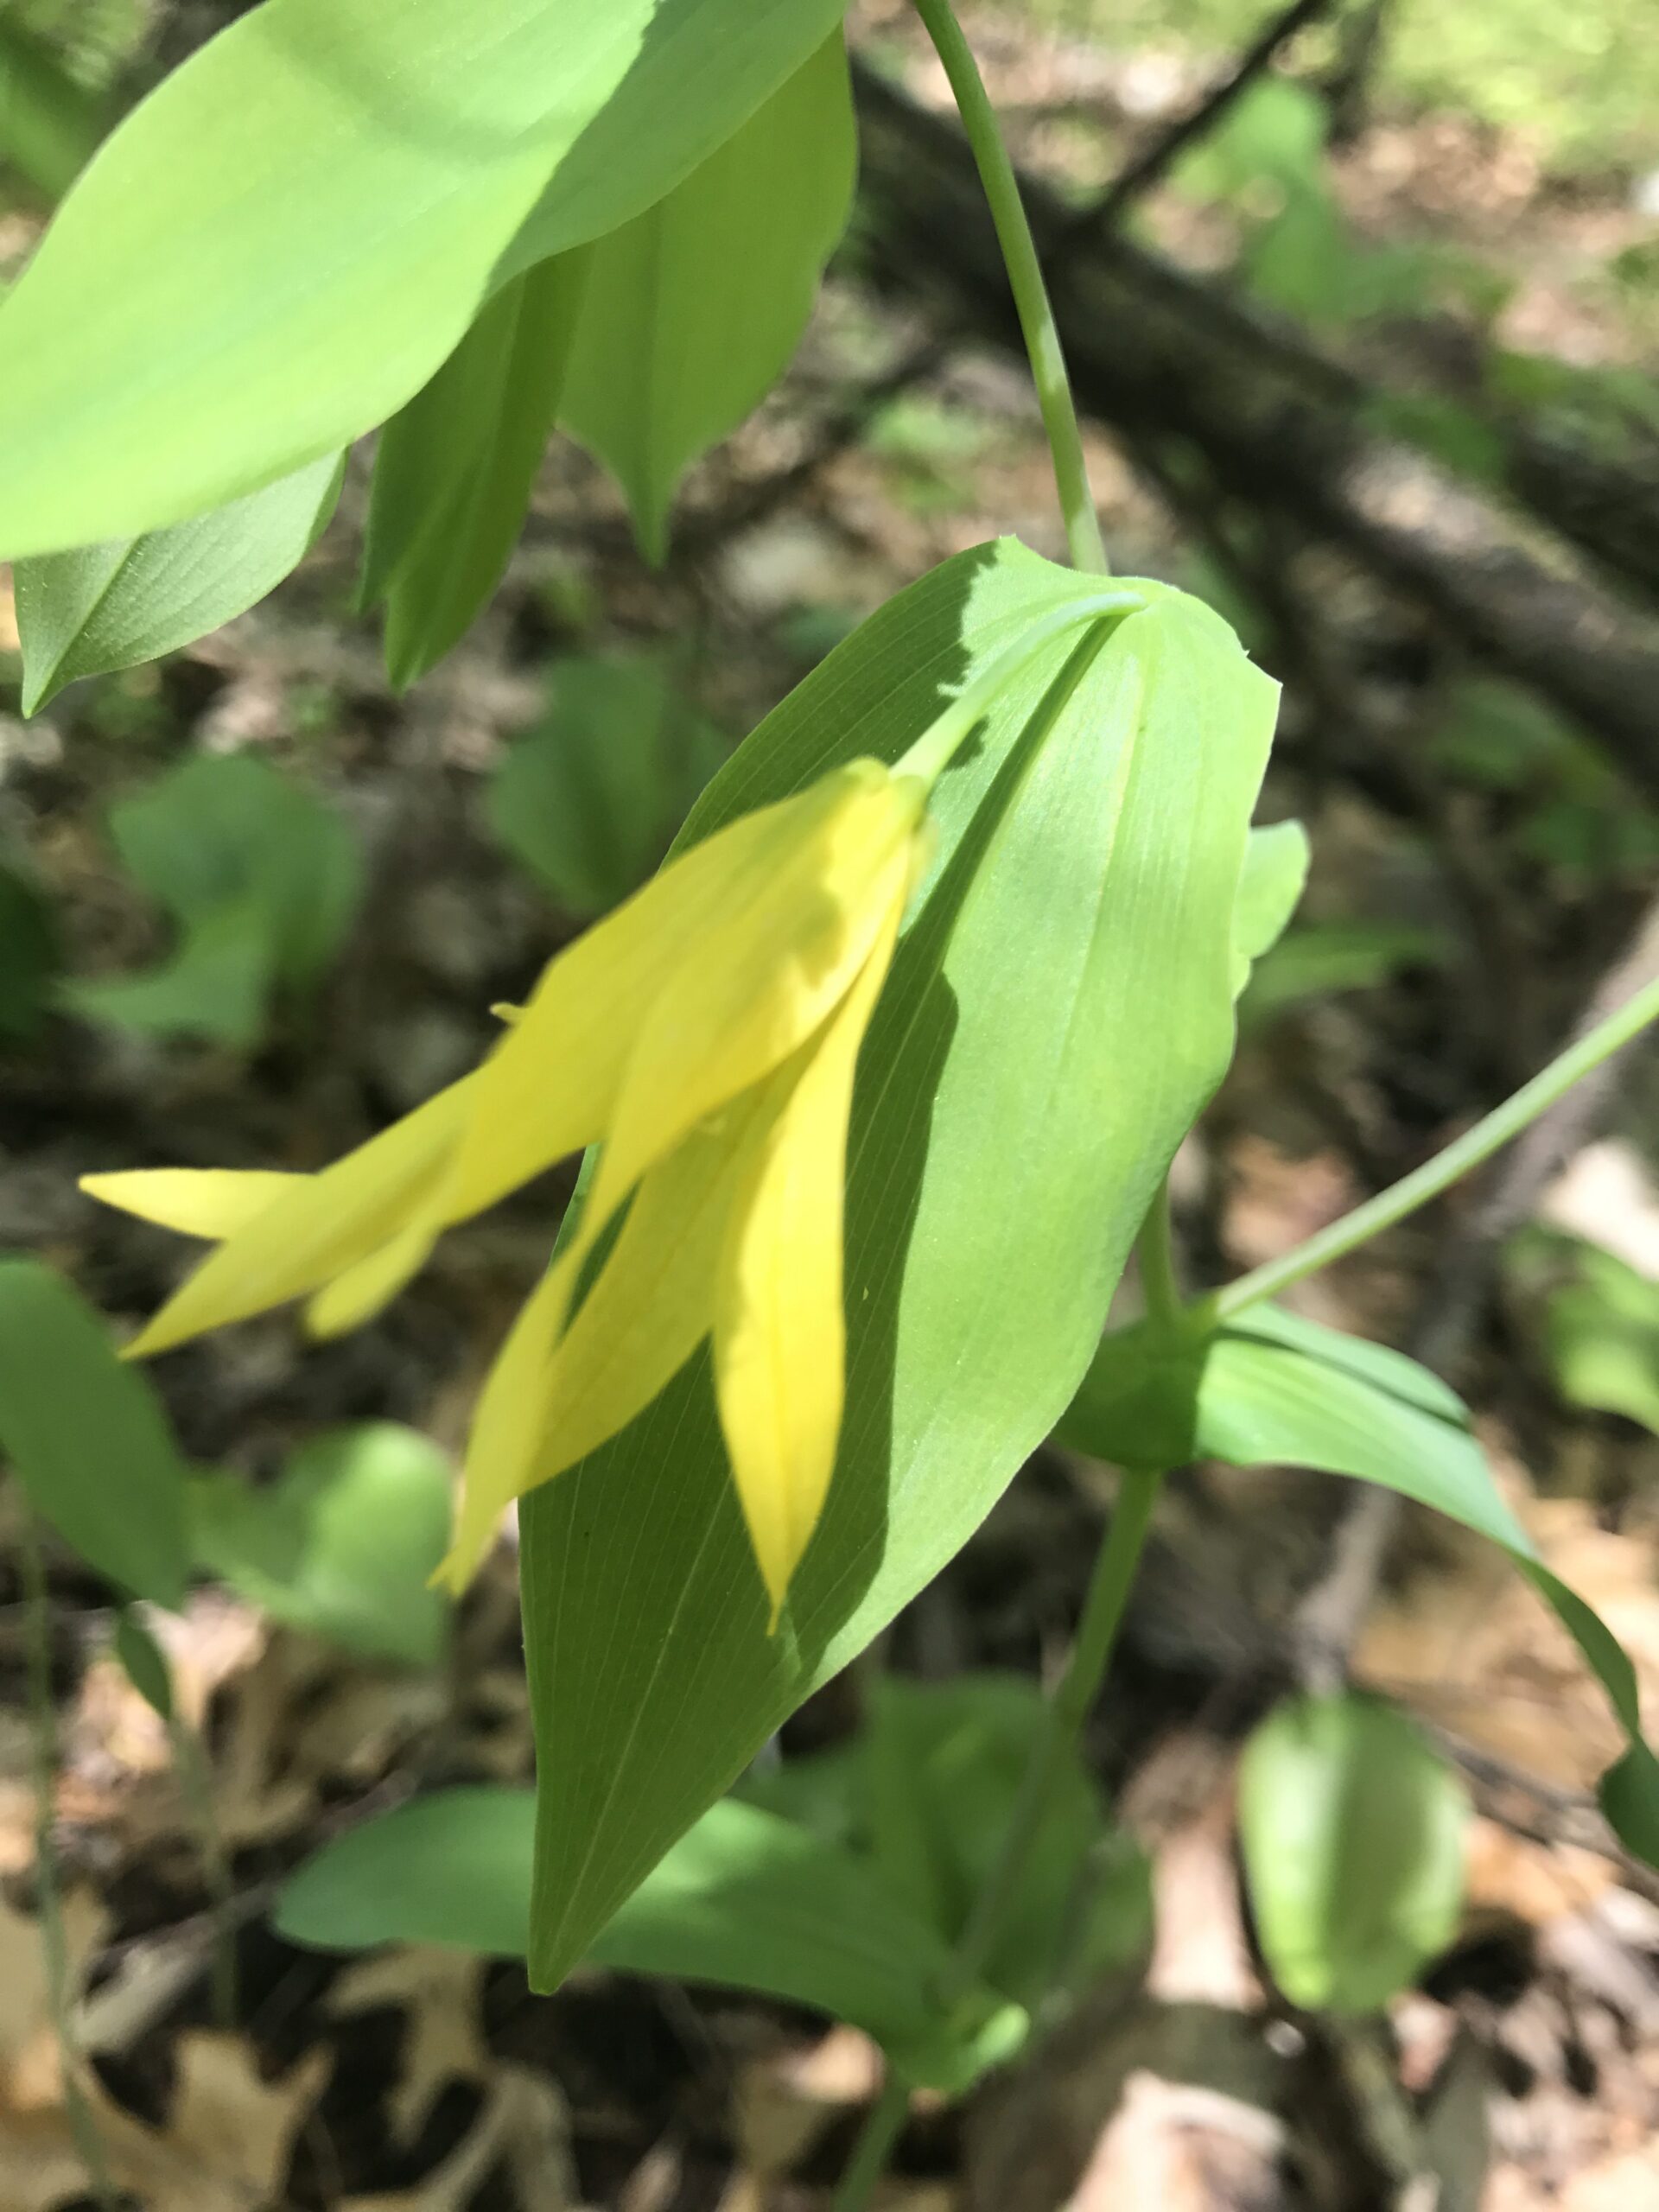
(319, 1226)
(554, 1393)
(780, 1321)
(353, 1297)
(692, 990)
(212, 1202)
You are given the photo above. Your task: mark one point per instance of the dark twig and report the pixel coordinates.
(1148, 167)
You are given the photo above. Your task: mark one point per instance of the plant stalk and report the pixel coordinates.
(1156, 1249)
(1109, 1584)
(1497, 1128)
(47, 1893)
(884, 2124)
(1083, 537)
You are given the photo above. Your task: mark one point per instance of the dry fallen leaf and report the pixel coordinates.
(524, 2127)
(438, 1991)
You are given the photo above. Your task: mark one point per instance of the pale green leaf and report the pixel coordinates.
(1270, 1388)
(282, 244)
(110, 606)
(1601, 1325)
(1057, 1013)
(1273, 878)
(455, 467)
(1352, 1833)
(86, 1436)
(692, 310)
(343, 1543)
(1328, 956)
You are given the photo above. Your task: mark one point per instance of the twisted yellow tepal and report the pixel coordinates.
(705, 1034)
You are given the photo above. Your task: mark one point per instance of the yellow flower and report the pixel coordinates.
(705, 1035)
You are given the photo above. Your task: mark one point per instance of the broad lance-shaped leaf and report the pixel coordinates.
(649, 344)
(455, 467)
(87, 1437)
(693, 309)
(280, 245)
(1057, 1013)
(1269, 1389)
(107, 607)
(747, 1898)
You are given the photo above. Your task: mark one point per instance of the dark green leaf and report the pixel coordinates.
(691, 311)
(86, 1436)
(589, 799)
(110, 606)
(262, 878)
(343, 1543)
(1326, 956)
(1352, 1831)
(1058, 1012)
(284, 241)
(145, 1662)
(457, 466)
(48, 124)
(746, 1898)
(29, 954)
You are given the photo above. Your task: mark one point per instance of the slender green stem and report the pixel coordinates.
(883, 2127)
(196, 1784)
(48, 1890)
(1025, 277)
(1504, 1123)
(1156, 1249)
(1062, 1720)
(933, 749)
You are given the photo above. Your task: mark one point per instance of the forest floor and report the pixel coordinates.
(1524, 2072)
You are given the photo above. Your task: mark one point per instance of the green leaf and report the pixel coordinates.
(1271, 1390)
(86, 1436)
(944, 1766)
(260, 876)
(457, 466)
(145, 1662)
(1352, 1833)
(110, 606)
(342, 1544)
(1058, 1011)
(282, 244)
(1269, 890)
(48, 124)
(217, 985)
(746, 1898)
(589, 799)
(1326, 956)
(692, 310)
(30, 954)
(1601, 1325)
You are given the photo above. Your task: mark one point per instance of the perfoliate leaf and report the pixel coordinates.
(692, 309)
(588, 797)
(1352, 1832)
(87, 1437)
(1275, 877)
(343, 1544)
(110, 606)
(1268, 1388)
(282, 243)
(1057, 1013)
(746, 1898)
(457, 466)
